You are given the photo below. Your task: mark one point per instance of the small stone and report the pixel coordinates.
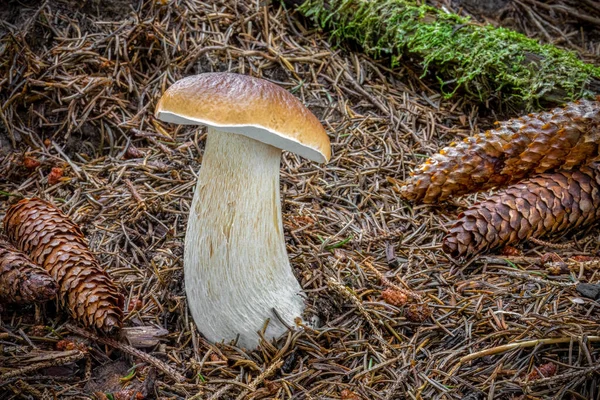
(589, 290)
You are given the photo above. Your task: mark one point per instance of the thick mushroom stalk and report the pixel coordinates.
(236, 265)
(237, 274)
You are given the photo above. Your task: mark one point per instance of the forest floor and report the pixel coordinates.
(78, 85)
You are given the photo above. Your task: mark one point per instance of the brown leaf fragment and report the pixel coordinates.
(133, 152)
(562, 138)
(394, 297)
(21, 281)
(54, 176)
(543, 371)
(511, 251)
(347, 394)
(549, 194)
(30, 162)
(67, 344)
(57, 244)
(418, 312)
(128, 394)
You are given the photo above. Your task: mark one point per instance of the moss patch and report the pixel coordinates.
(478, 60)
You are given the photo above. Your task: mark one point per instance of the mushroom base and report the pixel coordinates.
(235, 264)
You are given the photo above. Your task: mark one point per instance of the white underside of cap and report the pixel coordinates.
(255, 132)
(235, 261)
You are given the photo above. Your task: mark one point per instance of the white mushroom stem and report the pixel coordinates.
(236, 265)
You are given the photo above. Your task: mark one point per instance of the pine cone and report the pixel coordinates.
(562, 138)
(56, 243)
(21, 281)
(548, 204)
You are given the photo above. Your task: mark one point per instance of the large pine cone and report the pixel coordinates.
(548, 204)
(21, 281)
(53, 241)
(562, 138)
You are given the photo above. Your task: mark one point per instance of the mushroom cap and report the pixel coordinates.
(248, 106)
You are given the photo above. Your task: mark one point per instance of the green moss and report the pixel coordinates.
(480, 61)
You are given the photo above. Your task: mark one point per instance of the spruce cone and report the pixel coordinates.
(547, 204)
(56, 243)
(21, 281)
(562, 138)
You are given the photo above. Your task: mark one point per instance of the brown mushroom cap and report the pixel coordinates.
(248, 106)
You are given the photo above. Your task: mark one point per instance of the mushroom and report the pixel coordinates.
(236, 266)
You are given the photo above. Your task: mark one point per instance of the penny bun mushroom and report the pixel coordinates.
(236, 266)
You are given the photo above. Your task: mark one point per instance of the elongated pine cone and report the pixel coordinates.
(53, 241)
(547, 204)
(562, 138)
(21, 281)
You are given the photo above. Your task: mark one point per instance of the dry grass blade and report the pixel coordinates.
(519, 345)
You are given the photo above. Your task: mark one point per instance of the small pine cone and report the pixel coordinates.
(543, 371)
(547, 204)
(562, 138)
(21, 281)
(56, 243)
